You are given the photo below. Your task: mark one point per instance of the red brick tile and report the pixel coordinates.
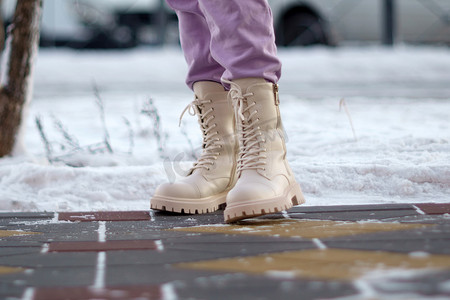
(102, 246)
(79, 293)
(105, 216)
(435, 208)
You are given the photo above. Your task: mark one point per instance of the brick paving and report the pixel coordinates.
(392, 251)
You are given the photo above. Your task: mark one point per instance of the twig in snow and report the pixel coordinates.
(70, 139)
(130, 135)
(101, 147)
(48, 146)
(101, 107)
(73, 146)
(343, 104)
(149, 109)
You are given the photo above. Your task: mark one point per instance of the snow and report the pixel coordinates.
(397, 99)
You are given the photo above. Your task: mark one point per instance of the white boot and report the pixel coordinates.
(265, 181)
(206, 186)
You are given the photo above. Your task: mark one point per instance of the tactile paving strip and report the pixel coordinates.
(302, 228)
(7, 233)
(10, 270)
(334, 264)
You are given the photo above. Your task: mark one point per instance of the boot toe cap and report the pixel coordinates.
(178, 190)
(250, 191)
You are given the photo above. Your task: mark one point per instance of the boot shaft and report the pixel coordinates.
(259, 128)
(216, 119)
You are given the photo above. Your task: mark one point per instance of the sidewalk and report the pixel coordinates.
(398, 251)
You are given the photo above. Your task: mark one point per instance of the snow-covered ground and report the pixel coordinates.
(398, 101)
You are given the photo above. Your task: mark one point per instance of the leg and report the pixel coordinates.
(242, 38)
(195, 40)
(205, 188)
(243, 42)
(266, 183)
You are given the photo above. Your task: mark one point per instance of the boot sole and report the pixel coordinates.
(189, 206)
(293, 196)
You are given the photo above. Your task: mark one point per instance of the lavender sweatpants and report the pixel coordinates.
(227, 38)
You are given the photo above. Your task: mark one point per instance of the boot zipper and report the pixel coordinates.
(275, 93)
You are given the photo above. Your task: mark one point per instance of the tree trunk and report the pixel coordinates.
(16, 91)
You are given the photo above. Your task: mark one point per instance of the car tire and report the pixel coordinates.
(302, 29)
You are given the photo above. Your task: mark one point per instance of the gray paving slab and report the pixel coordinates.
(239, 286)
(243, 249)
(37, 260)
(11, 221)
(194, 284)
(180, 220)
(55, 276)
(119, 275)
(9, 290)
(56, 232)
(169, 225)
(21, 243)
(214, 238)
(348, 208)
(26, 215)
(46, 226)
(139, 230)
(10, 251)
(153, 257)
(237, 244)
(276, 216)
(355, 215)
(143, 234)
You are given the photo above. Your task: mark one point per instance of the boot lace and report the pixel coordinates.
(210, 145)
(251, 139)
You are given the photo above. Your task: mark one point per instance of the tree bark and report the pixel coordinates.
(16, 92)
